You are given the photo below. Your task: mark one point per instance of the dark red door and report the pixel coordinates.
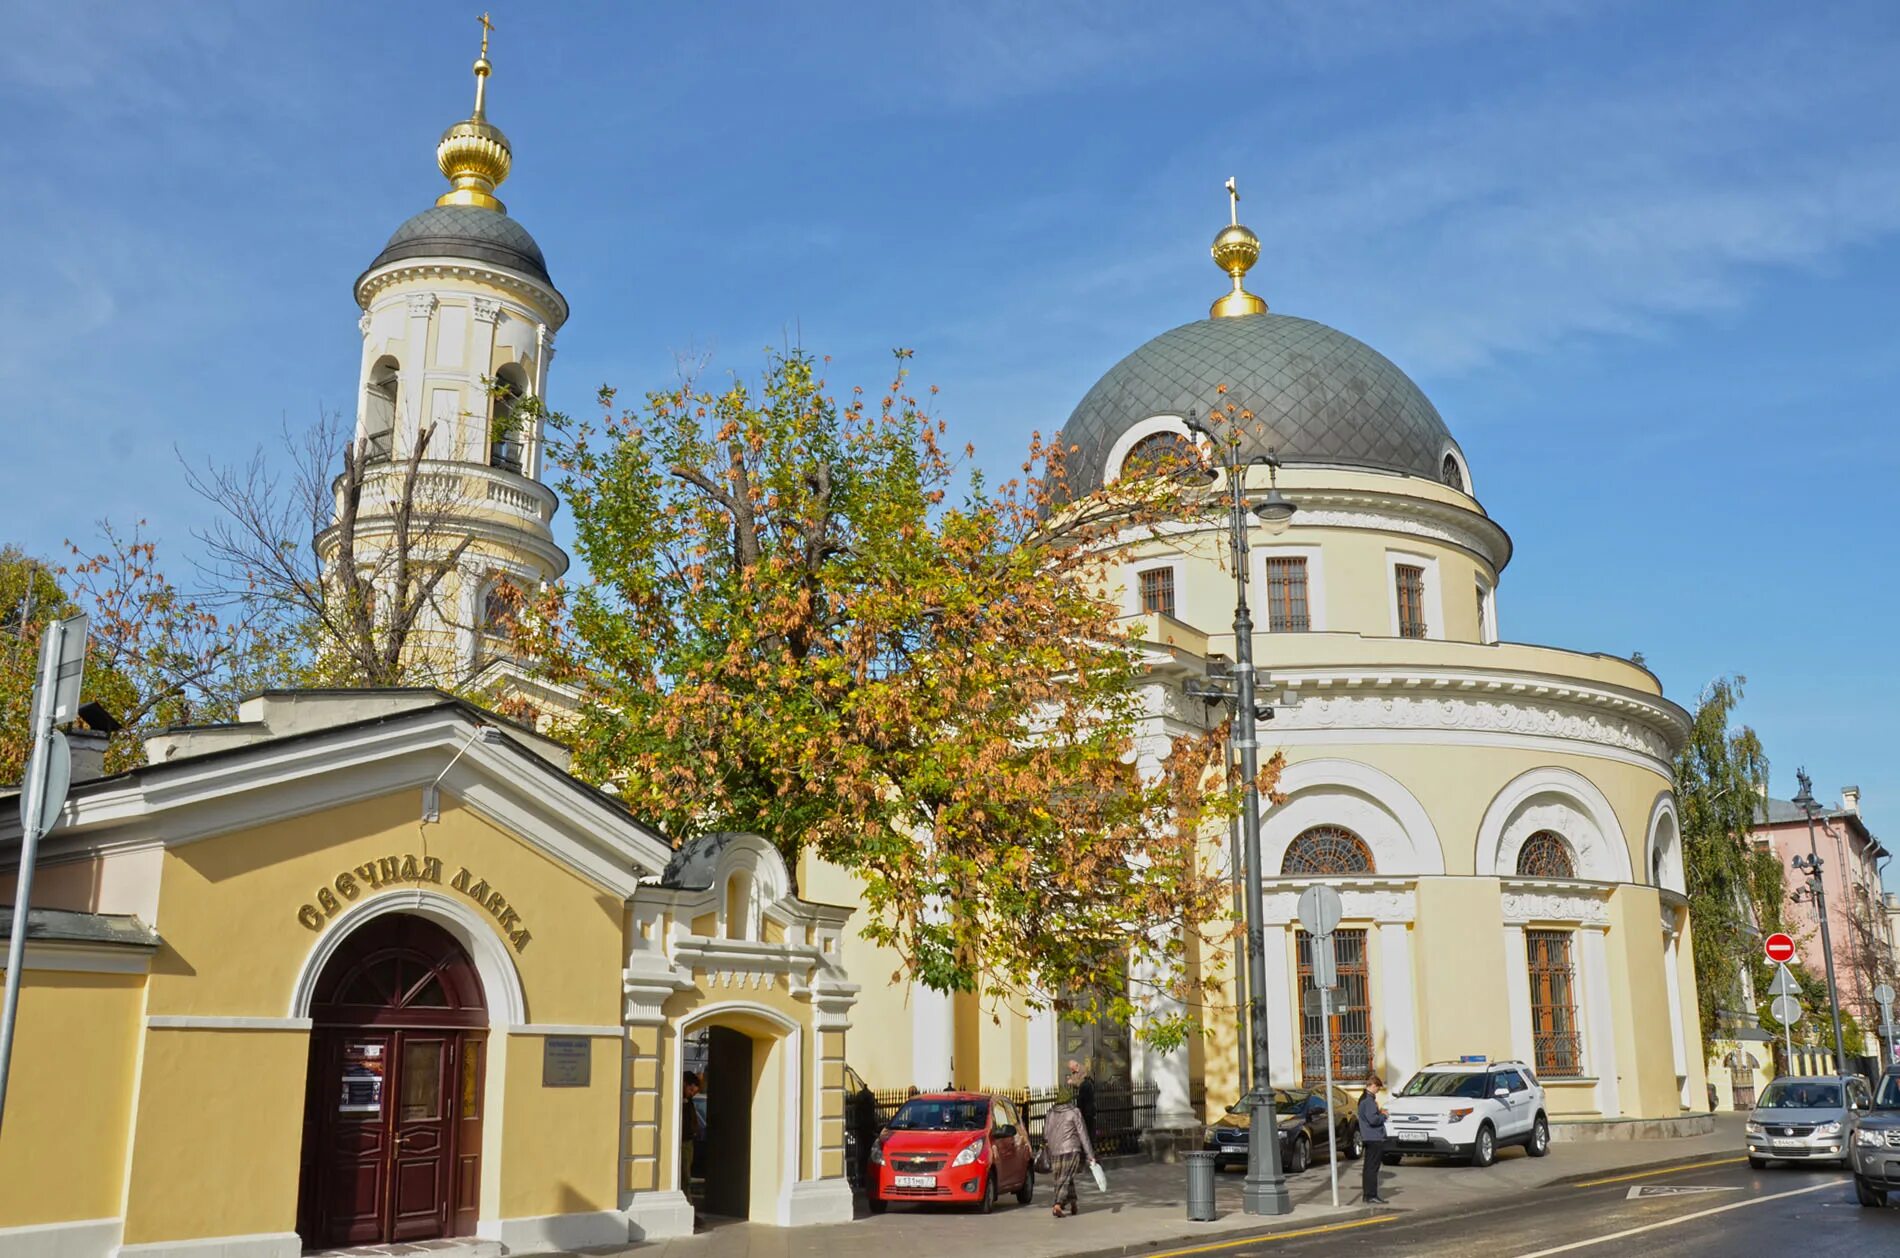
(392, 1127)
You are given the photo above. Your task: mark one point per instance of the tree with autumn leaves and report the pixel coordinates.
(805, 619)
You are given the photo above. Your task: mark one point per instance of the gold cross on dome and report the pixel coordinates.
(1233, 202)
(488, 26)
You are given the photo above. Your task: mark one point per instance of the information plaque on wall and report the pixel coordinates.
(565, 1061)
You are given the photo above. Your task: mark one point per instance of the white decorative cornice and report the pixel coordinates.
(1378, 900)
(1642, 729)
(647, 983)
(1452, 525)
(541, 297)
(487, 310)
(422, 305)
(1524, 903)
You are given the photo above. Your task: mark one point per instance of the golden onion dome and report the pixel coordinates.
(1235, 251)
(473, 154)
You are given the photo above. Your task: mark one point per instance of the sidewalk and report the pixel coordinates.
(1145, 1207)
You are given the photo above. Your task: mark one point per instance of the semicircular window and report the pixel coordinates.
(1158, 454)
(1452, 474)
(1545, 855)
(1326, 850)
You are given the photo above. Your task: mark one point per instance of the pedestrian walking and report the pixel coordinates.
(1372, 1135)
(1084, 1085)
(1066, 1139)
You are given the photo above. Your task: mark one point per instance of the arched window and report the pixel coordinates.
(1326, 850)
(1158, 454)
(505, 443)
(379, 410)
(1452, 474)
(1545, 855)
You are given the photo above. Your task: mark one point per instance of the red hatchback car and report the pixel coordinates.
(961, 1147)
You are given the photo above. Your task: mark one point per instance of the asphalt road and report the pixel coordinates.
(1724, 1209)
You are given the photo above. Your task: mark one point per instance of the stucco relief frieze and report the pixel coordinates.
(1554, 906)
(422, 305)
(1282, 908)
(487, 309)
(1487, 714)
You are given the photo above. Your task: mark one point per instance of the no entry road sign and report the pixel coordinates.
(1779, 947)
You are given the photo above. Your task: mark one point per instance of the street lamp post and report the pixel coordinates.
(1811, 867)
(1264, 1190)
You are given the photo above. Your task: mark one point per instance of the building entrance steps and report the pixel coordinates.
(443, 1247)
(1145, 1207)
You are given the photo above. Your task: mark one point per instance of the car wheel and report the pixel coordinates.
(1027, 1193)
(1539, 1143)
(874, 1203)
(1355, 1147)
(988, 1203)
(1484, 1150)
(1759, 1164)
(1868, 1196)
(1300, 1157)
(1391, 1159)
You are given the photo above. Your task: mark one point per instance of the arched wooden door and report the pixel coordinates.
(393, 1111)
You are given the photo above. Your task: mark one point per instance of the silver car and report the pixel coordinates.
(1807, 1120)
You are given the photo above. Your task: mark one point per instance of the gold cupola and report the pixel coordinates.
(473, 154)
(1236, 249)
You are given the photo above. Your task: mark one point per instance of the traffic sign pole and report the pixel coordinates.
(48, 774)
(1326, 1045)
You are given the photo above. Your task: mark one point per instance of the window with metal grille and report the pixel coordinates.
(1411, 586)
(1545, 855)
(1158, 454)
(1326, 850)
(1556, 1045)
(1351, 1021)
(1157, 591)
(1286, 596)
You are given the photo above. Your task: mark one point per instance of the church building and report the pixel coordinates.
(369, 967)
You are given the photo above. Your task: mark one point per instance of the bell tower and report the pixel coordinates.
(458, 326)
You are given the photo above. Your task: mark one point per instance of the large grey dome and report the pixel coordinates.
(1316, 394)
(466, 231)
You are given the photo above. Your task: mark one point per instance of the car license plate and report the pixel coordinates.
(1412, 1135)
(1790, 1144)
(916, 1181)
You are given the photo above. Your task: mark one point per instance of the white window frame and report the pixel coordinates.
(1132, 581)
(1488, 619)
(1464, 472)
(1433, 599)
(1315, 584)
(1118, 453)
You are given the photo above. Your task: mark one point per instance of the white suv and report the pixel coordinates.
(1467, 1109)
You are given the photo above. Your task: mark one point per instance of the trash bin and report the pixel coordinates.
(1201, 1165)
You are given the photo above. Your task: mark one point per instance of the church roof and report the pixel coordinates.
(1316, 396)
(467, 231)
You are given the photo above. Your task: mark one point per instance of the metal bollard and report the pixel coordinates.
(1200, 1184)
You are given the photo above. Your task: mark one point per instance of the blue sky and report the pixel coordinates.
(1645, 258)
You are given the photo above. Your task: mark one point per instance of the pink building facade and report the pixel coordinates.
(1863, 930)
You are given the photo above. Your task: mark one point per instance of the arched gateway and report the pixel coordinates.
(392, 1128)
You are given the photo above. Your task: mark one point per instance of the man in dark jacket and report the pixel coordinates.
(1372, 1134)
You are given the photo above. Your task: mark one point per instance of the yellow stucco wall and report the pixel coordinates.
(1459, 953)
(75, 1056)
(219, 1129)
(560, 1146)
(251, 885)
(1640, 996)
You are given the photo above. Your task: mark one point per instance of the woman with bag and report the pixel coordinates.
(1065, 1137)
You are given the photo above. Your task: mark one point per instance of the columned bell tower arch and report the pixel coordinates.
(459, 317)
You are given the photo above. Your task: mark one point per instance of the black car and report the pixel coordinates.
(1876, 1144)
(1303, 1135)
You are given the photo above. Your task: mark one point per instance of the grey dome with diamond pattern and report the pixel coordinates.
(1316, 394)
(466, 231)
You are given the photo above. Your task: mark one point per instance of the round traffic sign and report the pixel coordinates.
(1787, 1010)
(1883, 995)
(1320, 909)
(1779, 947)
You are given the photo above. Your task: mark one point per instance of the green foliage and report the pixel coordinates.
(804, 621)
(1735, 891)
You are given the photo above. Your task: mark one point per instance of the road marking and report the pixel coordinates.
(1653, 1173)
(1275, 1236)
(1644, 1191)
(1679, 1219)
